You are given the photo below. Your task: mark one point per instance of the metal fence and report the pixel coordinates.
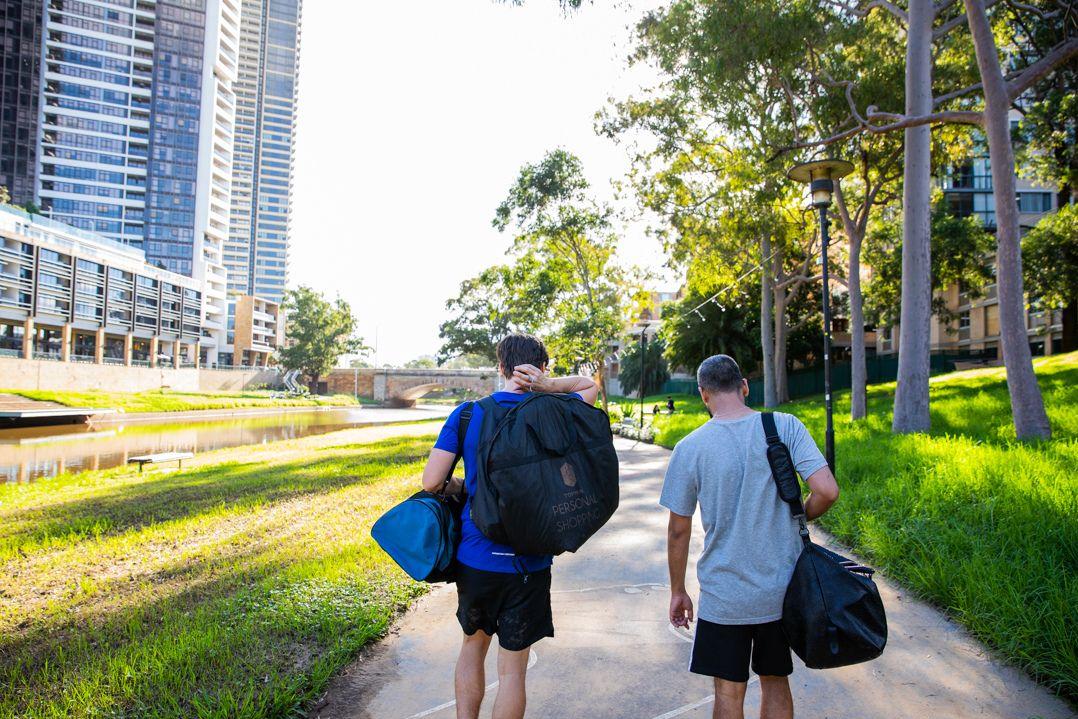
(809, 381)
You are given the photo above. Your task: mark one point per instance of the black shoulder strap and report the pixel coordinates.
(783, 472)
(770, 430)
(462, 430)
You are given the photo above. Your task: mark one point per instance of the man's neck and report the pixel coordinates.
(728, 408)
(511, 385)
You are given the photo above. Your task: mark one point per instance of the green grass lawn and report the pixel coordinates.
(965, 516)
(235, 589)
(172, 401)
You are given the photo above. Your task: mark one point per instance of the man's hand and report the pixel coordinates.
(680, 609)
(532, 378)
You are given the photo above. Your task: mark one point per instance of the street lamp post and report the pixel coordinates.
(820, 175)
(645, 320)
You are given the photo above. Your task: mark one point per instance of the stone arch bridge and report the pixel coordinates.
(402, 387)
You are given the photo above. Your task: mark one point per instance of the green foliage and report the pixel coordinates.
(653, 370)
(1050, 259)
(319, 332)
(979, 523)
(470, 361)
(959, 248)
(730, 327)
(502, 299)
(562, 229)
(5, 196)
(235, 589)
(423, 362)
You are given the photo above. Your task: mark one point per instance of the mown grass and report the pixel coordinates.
(234, 589)
(173, 401)
(982, 525)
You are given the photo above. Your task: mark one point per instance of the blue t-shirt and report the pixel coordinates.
(476, 550)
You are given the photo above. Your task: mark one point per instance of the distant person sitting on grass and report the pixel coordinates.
(498, 591)
(655, 409)
(670, 404)
(751, 542)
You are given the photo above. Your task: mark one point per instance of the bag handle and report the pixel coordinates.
(784, 473)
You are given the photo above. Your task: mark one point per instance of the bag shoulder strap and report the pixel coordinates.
(770, 430)
(462, 430)
(774, 442)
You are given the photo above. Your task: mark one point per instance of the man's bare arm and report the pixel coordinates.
(824, 492)
(678, 534)
(532, 378)
(434, 473)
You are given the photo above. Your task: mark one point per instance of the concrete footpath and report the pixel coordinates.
(616, 656)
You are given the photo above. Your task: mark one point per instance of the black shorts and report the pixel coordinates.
(516, 607)
(723, 650)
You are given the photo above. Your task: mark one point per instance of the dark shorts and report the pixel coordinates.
(723, 651)
(516, 607)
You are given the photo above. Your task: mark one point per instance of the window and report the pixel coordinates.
(963, 321)
(1034, 202)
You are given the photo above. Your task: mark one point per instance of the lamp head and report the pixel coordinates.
(820, 175)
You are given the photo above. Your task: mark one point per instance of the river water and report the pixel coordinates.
(39, 452)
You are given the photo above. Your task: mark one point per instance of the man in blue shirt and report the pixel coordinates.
(498, 591)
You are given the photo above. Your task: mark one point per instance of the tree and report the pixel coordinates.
(319, 332)
(689, 337)
(1027, 405)
(422, 362)
(652, 367)
(559, 226)
(517, 297)
(959, 248)
(469, 361)
(1050, 263)
(5, 196)
(923, 40)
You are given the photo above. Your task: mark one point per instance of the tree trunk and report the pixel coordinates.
(1027, 406)
(915, 322)
(858, 367)
(782, 386)
(767, 327)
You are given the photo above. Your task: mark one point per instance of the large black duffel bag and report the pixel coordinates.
(547, 474)
(832, 614)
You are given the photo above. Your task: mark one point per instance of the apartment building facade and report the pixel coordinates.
(119, 117)
(71, 295)
(967, 190)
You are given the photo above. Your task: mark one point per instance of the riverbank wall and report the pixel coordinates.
(22, 374)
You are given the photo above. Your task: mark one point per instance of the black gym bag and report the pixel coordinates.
(832, 614)
(547, 474)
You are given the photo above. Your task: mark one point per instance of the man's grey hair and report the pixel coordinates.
(719, 373)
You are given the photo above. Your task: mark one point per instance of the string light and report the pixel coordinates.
(733, 285)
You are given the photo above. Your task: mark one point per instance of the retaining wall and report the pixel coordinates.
(84, 377)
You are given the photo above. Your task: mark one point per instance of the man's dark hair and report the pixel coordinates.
(719, 373)
(517, 349)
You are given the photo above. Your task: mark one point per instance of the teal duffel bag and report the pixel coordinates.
(421, 533)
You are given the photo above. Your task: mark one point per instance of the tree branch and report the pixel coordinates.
(942, 31)
(1052, 59)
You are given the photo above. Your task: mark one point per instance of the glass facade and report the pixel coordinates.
(20, 87)
(174, 119)
(256, 254)
(95, 136)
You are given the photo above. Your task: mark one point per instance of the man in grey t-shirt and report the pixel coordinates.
(751, 542)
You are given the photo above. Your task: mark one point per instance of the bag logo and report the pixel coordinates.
(568, 475)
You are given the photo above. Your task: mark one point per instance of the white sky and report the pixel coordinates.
(414, 118)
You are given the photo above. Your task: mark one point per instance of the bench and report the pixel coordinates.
(143, 459)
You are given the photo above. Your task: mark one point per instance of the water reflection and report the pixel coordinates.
(38, 452)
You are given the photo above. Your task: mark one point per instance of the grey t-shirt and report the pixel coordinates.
(751, 542)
